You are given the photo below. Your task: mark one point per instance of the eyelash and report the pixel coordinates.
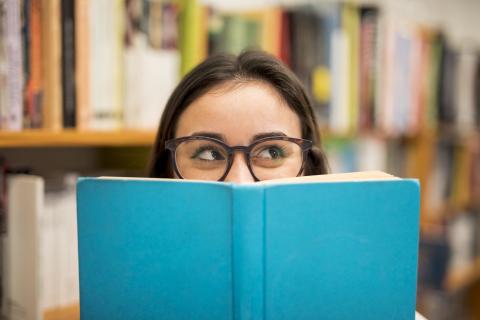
(202, 149)
(281, 149)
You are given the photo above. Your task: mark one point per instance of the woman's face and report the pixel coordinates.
(239, 114)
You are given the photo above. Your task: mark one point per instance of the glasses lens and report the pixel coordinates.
(275, 159)
(201, 159)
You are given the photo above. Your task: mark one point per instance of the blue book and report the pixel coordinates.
(321, 247)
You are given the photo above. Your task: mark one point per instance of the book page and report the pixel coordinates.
(350, 176)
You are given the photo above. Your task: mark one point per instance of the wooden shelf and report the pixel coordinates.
(460, 279)
(74, 138)
(71, 312)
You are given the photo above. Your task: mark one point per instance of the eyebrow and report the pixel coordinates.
(214, 135)
(268, 135)
(221, 137)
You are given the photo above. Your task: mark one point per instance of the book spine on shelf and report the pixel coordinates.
(27, 111)
(68, 63)
(3, 67)
(367, 58)
(285, 43)
(34, 84)
(465, 86)
(14, 81)
(351, 26)
(82, 25)
(339, 110)
(52, 64)
(22, 266)
(193, 35)
(271, 26)
(248, 251)
(106, 64)
(58, 248)
(151, 62)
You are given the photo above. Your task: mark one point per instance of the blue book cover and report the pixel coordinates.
(342, 248)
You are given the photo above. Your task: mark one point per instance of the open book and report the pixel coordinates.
(321, 247)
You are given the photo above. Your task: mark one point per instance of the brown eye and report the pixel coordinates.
(208, 155)
(271, 153)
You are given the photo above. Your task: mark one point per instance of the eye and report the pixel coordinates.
(271, 153)
(208, 154)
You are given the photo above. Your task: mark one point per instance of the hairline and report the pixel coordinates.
(235, 83)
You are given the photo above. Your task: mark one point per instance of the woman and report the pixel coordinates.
(250, 100)
(238, 119)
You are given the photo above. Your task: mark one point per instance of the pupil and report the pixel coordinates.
(216, 155)
(274, 153)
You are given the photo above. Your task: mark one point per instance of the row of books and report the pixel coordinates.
(455, 179)
(110, 64)
(452, 182)
(39, 270)
(453, 249)
(364, 70)
(86, 64)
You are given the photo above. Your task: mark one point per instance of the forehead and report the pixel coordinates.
(239, 111)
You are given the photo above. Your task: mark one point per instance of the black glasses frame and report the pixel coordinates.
(172, 144)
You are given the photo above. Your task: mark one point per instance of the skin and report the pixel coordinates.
(239, 112)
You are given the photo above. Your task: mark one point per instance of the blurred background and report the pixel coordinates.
(395, 85)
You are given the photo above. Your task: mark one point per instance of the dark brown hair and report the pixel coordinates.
(223, 68)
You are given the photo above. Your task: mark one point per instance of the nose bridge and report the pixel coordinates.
(239, 171)
(241, 149)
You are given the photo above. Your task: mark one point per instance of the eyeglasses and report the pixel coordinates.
(206, 158)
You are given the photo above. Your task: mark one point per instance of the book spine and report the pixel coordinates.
(51, 49)
(34, 91)
(106, 64)
(367, 52)
(151, 65)
(248, 239)
(351, 25)
(3, 67)
(25, 204)
(68, 63)
(26, 62)
(82, 25)
(13, 45)
(192, 35)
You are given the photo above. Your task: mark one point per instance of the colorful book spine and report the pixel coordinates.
(193, 34)
(465, 86)
(52, 64)
(26, 60)
(367, 52)
(106, 64)
(14, 83)
(151, 62)
(22, 265)
(340, 65)
(285, 44)
(436, 44)
(271, 20)
(3, 67)
(68, 63)
(34, 84)
(82, 27)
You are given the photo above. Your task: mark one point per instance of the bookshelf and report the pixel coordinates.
(74, 138)
(464, 277)
(455, 19)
